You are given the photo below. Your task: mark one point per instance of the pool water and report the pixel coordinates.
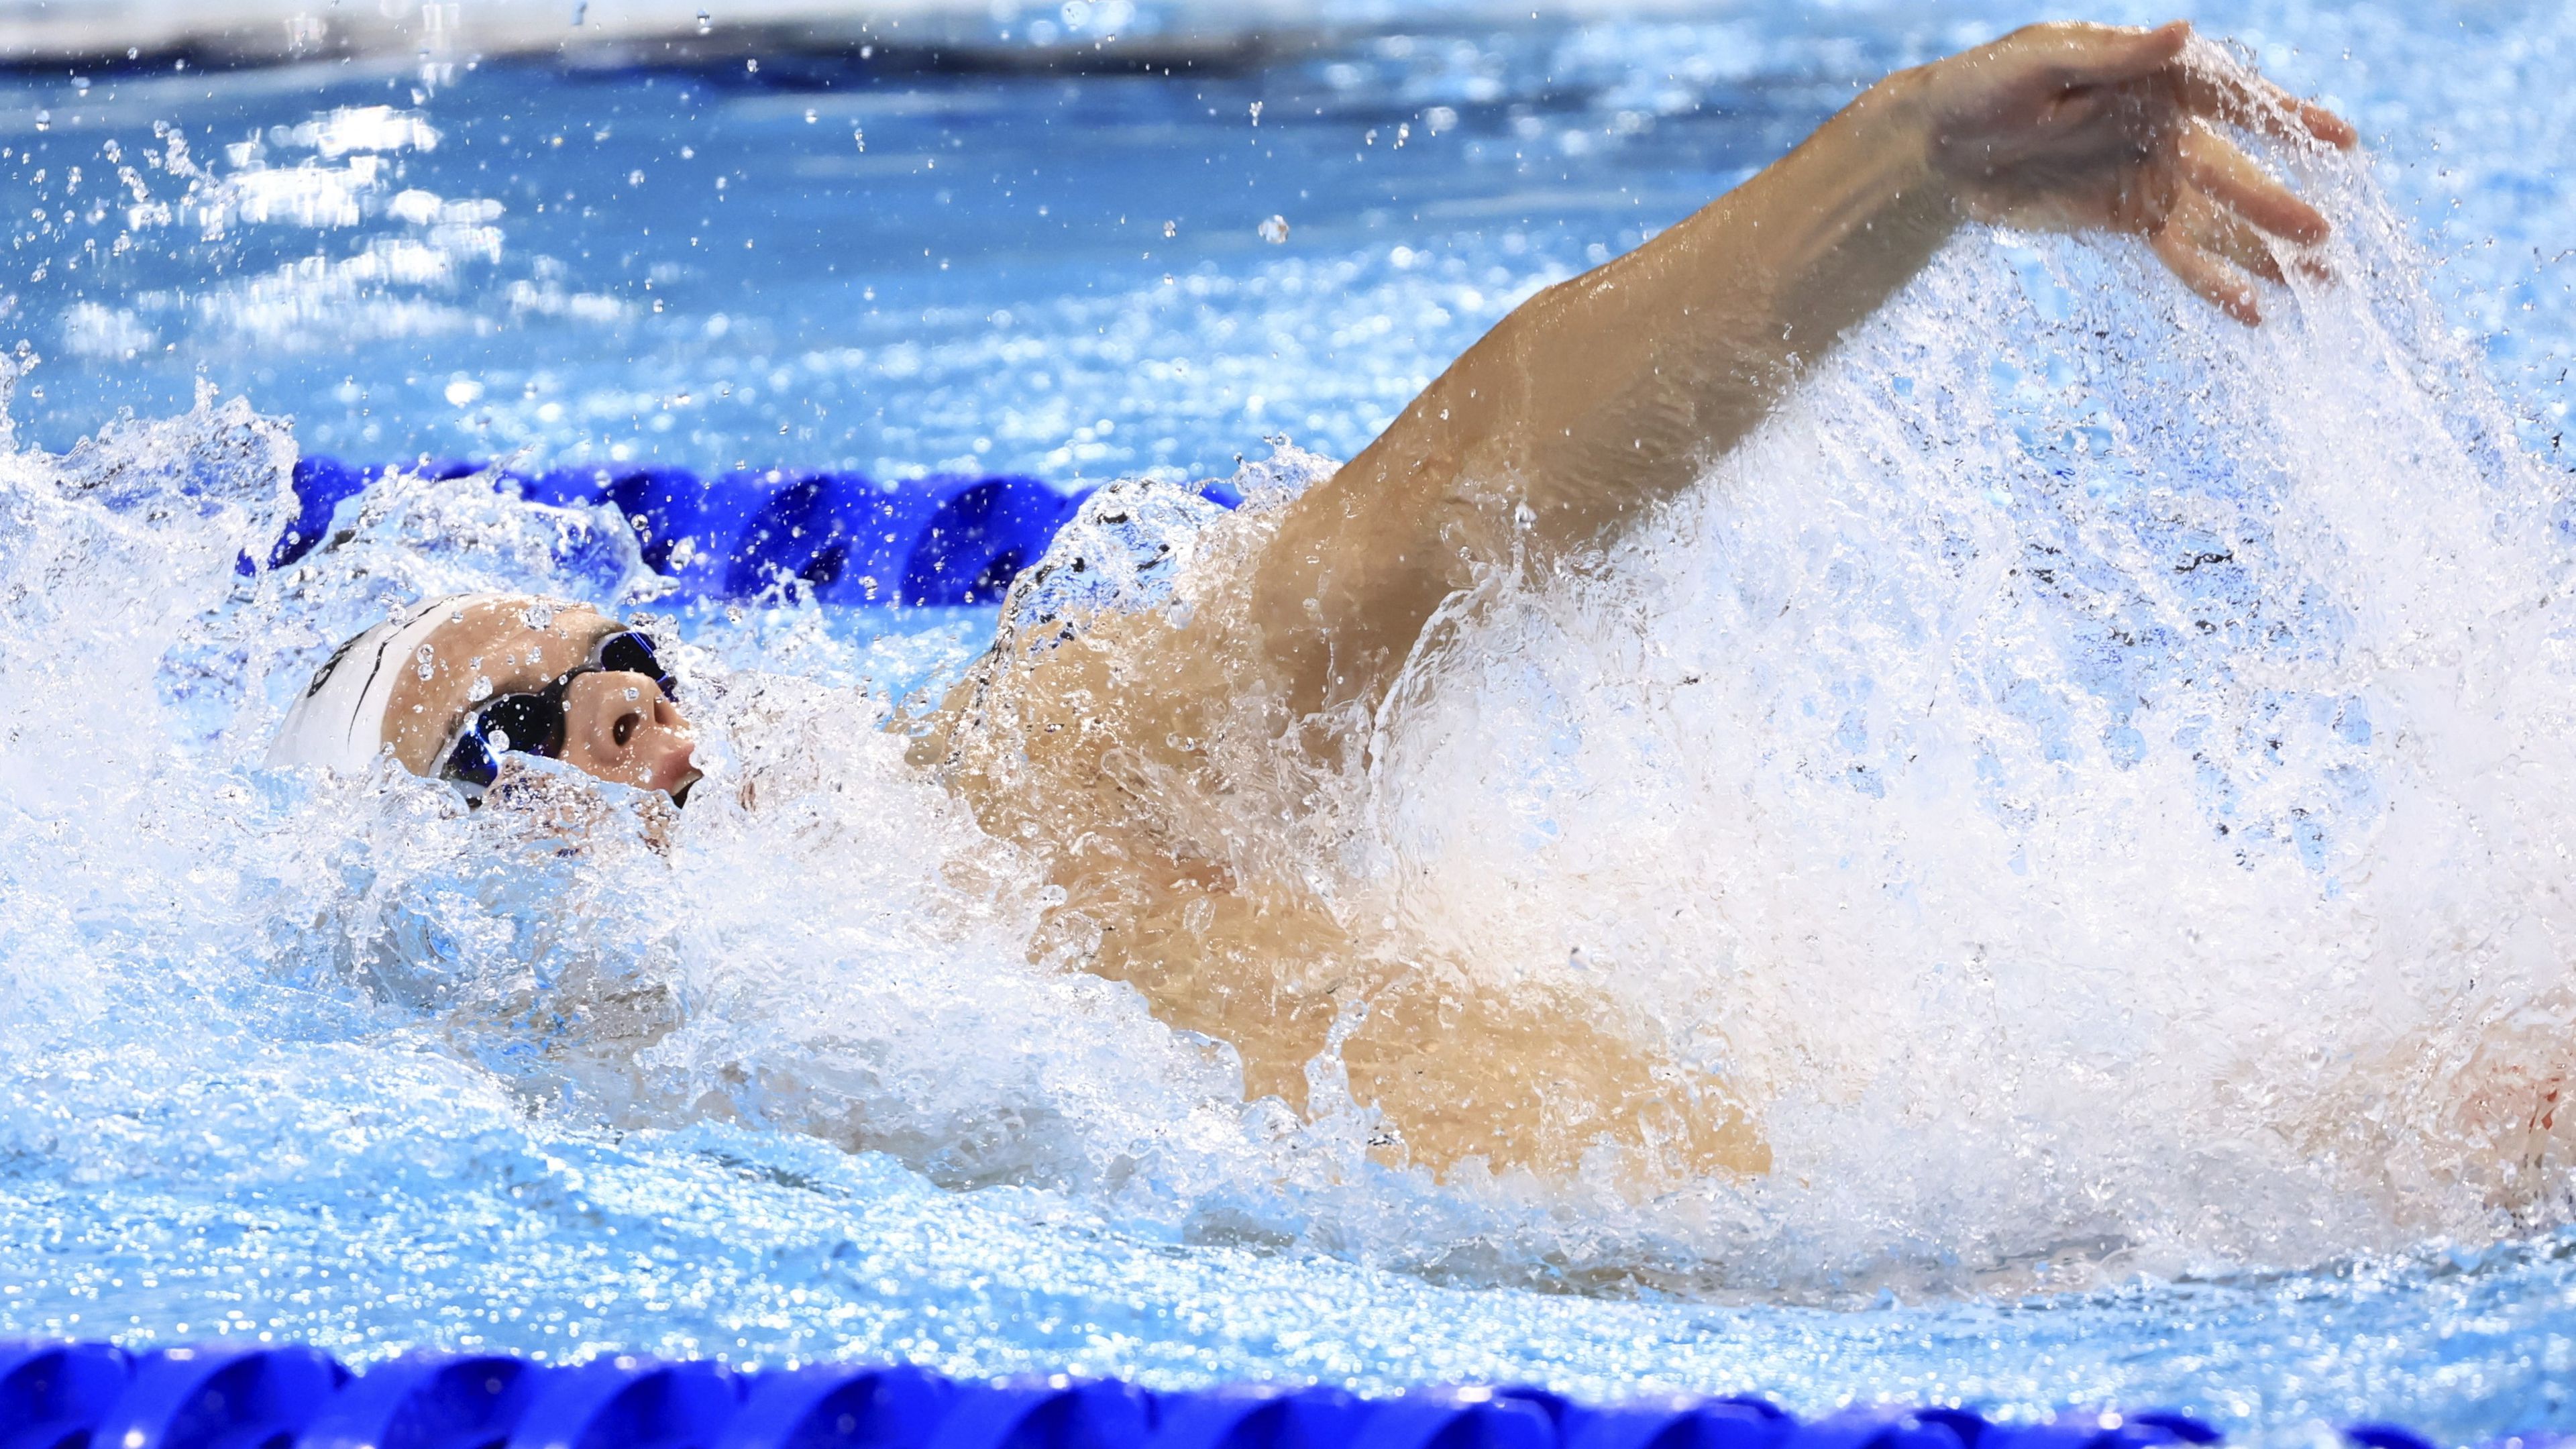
(2104, 771)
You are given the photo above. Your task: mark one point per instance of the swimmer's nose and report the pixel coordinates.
(676, 768)
(670, 760)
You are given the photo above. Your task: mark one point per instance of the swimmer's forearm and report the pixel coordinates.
(1633, 377)
(1602, 396)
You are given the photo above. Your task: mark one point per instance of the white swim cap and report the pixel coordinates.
(339, 721)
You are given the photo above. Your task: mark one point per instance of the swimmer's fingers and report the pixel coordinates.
(2217, 231)
(2213, 164)
(2242, 98)
(2206, 273)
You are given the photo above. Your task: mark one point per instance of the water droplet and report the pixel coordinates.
(1275, 230)
(498, 740)
(425, 662)
(479, 690)
(44, 120)
(1171, 229)
(706, 22)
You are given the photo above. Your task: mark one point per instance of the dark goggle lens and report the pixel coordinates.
(471, 764)
(632, 653)
(529, 723)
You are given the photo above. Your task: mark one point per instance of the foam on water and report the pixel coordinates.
(2100, 772)
(2096, 774)
(2093, 774)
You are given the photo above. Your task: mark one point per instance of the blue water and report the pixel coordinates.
(334, 1063)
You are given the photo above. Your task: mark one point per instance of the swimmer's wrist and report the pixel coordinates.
(1895, 117)
(1867, 184)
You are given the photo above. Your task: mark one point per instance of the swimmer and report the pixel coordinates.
(455, 684)
(1166, 772)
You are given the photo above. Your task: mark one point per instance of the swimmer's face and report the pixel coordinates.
(616, 726)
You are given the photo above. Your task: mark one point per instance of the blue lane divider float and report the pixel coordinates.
(257, 1396)
(851, 540)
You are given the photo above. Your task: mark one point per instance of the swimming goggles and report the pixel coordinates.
(535, 724)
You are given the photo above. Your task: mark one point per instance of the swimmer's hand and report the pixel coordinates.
(2074, 127)
(1605, 394)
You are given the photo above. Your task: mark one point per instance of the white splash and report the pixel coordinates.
(2098, 776)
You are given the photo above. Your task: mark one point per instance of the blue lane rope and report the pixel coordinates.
(938, 541)
(218, 1395)
(235, 1395)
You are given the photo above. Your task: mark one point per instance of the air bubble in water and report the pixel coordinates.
(1275, 230)
(706, 22)
(425, 662)
(479, 690)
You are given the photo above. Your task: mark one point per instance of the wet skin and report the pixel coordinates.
(1151, 775)
(1150, 764)
(616, 726)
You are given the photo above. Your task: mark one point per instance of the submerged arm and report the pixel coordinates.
(1607, 394)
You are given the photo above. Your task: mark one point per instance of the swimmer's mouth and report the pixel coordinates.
(680, 796)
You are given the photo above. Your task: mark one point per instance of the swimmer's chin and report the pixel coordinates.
(572, 805)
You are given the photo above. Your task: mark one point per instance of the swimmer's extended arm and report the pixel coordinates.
(1603, 395)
